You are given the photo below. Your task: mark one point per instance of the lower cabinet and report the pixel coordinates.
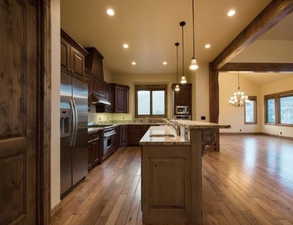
(135, 133)
(94, 150)
(123, 136)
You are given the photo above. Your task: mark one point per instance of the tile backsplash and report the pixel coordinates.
(104, 117)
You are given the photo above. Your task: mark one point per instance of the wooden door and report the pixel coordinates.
(18, 110)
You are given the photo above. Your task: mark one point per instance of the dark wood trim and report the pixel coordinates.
(269, 17)
(251, 98)
(151, 88)
(278, 136)
(44, 113)
(258, 67)
(72, 42)
(214, 94)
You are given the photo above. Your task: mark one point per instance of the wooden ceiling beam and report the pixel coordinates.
(269, 17)
(258, 67)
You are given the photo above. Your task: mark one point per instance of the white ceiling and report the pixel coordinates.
(151, 27)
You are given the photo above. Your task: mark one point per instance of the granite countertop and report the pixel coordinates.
(162, 135)
(193, 124)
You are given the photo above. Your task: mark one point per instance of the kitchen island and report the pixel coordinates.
(172, 172)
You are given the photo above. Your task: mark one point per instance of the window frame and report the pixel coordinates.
(151, 88)
(277, 97)
(251, 98)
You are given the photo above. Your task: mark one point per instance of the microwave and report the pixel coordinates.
(182, 110)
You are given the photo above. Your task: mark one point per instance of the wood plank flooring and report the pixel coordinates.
(250, 182)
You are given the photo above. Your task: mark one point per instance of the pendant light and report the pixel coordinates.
(177, 87)
(183, 78)
(193, 66)
(239, 97)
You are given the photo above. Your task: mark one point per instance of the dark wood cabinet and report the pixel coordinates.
(94, 149)
(118, 96)
(121, 99)
(72, 55)
(123, 135)
(135, 133)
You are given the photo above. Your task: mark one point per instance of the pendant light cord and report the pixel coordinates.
(182, 50)
(193, 26)
(177, 58)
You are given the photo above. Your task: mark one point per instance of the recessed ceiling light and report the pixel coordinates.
(231, 12)
(125, 46)
(133, 63)
(207, 46)
(110, 12)
(165, 63)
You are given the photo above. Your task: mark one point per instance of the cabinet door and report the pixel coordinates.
(77, 62)
(64, 54)
(121, 99)
(123, 136)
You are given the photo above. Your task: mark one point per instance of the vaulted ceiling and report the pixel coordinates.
(151, 27)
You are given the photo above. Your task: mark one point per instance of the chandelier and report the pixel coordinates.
(239, 97)
(193, 65)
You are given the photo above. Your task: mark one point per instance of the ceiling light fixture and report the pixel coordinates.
(177, 87)
(239, 97)
(193, 65)
(183, 78)
(110, 12)
(231, 13)
(165, 63)
(125, 46)
(133, 63)
(207, 46)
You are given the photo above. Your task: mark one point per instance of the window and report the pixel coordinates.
(151, 100)
(286, 110)
(250, 111)
(271, 110)
(279, 109)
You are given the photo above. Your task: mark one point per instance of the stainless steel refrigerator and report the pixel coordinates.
(73, 125)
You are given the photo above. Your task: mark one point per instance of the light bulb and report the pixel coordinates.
(183, 80)
(177, 88)
(193, 65)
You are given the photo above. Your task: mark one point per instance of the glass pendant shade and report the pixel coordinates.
(177, 88)
(193, 66)
(183, 80)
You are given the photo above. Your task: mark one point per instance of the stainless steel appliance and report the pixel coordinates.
(182, 110)
(73, 126)
(109, 136)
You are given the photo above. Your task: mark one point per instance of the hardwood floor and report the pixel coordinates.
(250, 182)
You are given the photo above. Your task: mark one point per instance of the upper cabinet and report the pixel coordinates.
(118, 96)
(94, 64)
(72, 55)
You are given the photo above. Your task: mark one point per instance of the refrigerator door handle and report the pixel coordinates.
(75, 122)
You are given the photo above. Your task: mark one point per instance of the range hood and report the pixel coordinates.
(98, 100)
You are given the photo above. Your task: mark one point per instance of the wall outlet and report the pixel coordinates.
(281, 133)
(240, 130)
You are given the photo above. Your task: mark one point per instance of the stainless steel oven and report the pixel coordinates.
(109, 140)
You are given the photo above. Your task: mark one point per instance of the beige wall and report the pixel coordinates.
(235, 115)
(55, 99)
(270, 88)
